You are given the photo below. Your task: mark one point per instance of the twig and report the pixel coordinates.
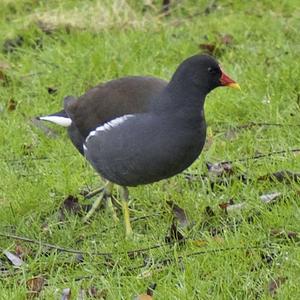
(75, 251)
(258, 124)
(258, 156)
(52, 246)
(170, 260)
(253, 124)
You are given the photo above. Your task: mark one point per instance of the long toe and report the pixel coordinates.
(94, 193)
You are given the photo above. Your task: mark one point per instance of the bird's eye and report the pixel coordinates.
(212, 70)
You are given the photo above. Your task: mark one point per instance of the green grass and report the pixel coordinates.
(104, 41)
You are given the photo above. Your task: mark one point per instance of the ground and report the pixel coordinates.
(51, 49)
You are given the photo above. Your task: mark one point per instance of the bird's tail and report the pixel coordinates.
(61, 117)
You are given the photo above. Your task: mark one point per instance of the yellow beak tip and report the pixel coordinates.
(234, 86)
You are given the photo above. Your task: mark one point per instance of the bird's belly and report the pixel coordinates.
(151, 165)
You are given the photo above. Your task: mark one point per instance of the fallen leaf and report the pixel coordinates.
(179, 213)
(274, 284)
(284, 234)
(174, 234)
(230, 206)
(71, 205)
(66, 294)
(21, 251)
(208, 48)
(282, 176)
(149, 293)
(270, 198)
(51, 90)
(226, 39)
(14, 259)
(11, 105)
(35, 286)
(79, 258)
(219, 169)
(224, 205)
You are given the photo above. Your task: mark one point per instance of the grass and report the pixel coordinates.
(94, 41)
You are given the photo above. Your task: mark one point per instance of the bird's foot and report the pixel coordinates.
(94, 207)
(94, 193)
(112, 209)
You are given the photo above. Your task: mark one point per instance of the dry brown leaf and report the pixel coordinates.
(208, 48)
(226, 39)
(284, 234)
(274, 284)
(71, 205)
(282, 176)
(11, 105)
(224, 205)
(34, 286)
(179, 213)
(149, 293)
(21, 251)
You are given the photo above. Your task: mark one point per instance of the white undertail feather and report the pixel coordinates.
(62, 121)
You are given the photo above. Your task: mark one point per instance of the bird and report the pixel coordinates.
(105, 102)
(155, 139)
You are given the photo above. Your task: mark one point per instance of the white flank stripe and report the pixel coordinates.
(84, 148)
(65, 122)
(109, 125)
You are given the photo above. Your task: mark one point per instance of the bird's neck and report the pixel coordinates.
(179, 99)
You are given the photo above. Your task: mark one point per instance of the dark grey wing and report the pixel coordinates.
(141, 149)
(105, 102)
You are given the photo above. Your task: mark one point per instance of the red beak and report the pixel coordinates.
(225, 80)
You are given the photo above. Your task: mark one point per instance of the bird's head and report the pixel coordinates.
(202, 73)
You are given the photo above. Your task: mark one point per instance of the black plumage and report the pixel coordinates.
(138, 130)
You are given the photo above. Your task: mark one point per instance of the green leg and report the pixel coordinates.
(110, 206)
(125, 196)
(108, 187)
(94, 193)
